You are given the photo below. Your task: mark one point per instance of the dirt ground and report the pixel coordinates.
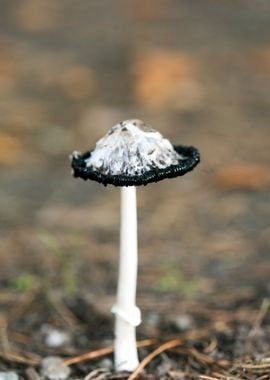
(199, 73)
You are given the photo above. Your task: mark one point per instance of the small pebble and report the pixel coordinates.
(182, 322)
(53, 337)
(106, 363)
(9, 376)
(153, 319)
(56, 338)
(54, 368)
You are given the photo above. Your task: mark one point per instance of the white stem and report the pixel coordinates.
(127, 315)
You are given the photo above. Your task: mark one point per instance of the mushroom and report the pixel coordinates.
(129, 155)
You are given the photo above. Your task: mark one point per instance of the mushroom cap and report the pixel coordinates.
(132, 154)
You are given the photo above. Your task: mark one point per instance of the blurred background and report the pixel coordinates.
(199, 73)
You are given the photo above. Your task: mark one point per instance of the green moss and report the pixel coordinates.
(23, 282)
(173, 280)
(66, 271)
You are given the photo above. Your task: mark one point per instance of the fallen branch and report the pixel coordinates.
(163, 347)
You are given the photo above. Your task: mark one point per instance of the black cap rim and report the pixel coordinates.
(191, 158)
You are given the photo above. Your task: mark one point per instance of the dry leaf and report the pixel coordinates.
(150, 10)
(243, 176)
(10, 149)
(166, 78)
(77, 81)
(23, 113)
(7, 69)
(37, 15)
(260, 60)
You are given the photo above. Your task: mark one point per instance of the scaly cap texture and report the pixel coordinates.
(132, 154)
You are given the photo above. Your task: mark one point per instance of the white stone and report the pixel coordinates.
(9, 376)
(54, 337)
(54, 368)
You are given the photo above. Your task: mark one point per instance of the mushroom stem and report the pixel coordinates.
(127, 315)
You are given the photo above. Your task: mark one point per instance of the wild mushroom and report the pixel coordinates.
(129, 155)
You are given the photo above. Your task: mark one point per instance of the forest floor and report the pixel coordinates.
(199, 73)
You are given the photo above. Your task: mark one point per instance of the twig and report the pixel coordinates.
(204, 359)
(32, 374)
(227, 376)
(264, 377)
(19, 337)
(165, 346)
(63, 311)
(89, 355)
(97, 374)
(211, 346)
(4, 342)
(8, 353)
(260, 317)
(24, 302)
(104, 351)
(253, 366)
(17, 358)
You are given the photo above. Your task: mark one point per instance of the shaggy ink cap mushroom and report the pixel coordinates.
(129, 155)
(132, 154)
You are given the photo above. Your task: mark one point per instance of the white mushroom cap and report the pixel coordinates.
(130, 148)
(132, 154)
